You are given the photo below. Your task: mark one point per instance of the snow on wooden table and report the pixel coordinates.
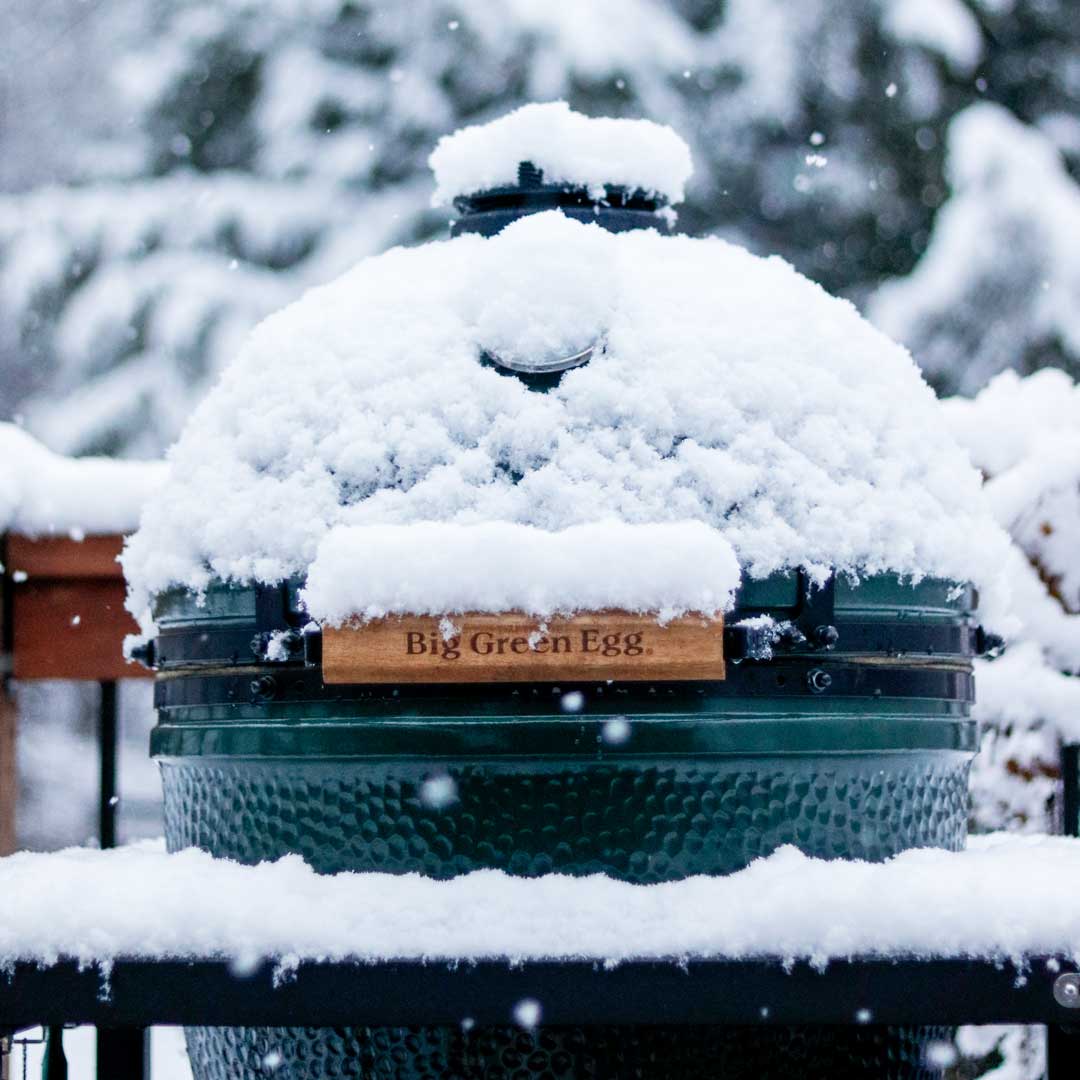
(46, 494)
(1006, 896)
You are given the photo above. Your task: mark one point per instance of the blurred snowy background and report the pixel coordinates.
(175, 170)
(172, 171)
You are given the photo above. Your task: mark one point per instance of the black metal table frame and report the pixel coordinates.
(131, 995)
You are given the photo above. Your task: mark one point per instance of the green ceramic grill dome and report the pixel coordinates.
(842, 726)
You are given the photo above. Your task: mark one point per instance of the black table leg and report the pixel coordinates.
(55, 1065)
(108, 748)
(1063, 1043)
(1062, 1052)
(123, 1054)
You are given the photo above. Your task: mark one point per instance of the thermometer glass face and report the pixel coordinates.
(540, 366)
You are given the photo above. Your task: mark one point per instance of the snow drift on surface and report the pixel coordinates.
(725, 389)
(568, 147)
(190, 904)
(42, 493)
(431, 568)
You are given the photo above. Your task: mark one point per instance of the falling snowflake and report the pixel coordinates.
(438, 792)
(616, 731)
(941, 1054)
(527, 1012)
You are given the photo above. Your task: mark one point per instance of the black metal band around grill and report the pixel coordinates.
(259, 684)
(184, 647)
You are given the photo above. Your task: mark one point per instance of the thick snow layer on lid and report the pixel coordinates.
(1006, 896)
(569, 147)
(42, 493)
(433, 568)
(725, 389)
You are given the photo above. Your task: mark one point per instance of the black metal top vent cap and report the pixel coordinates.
(620, 209)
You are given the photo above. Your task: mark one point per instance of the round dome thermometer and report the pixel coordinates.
(551, 365)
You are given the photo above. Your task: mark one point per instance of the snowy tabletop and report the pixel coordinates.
(1005, 897)
(42, 493)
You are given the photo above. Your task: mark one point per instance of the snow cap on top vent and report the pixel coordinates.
(550, 146)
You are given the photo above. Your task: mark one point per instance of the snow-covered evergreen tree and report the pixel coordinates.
(272, 143)
(1024, 434)
(999, 285)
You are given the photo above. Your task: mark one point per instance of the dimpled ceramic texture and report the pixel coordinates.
(703, 785)
(643, 822)
(691, 1052)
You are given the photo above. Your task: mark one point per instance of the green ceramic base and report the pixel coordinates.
(641, 821)
(648, 821)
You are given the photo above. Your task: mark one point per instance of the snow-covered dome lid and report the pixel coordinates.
(762, 422)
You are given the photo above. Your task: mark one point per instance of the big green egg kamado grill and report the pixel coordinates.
(544, 378)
